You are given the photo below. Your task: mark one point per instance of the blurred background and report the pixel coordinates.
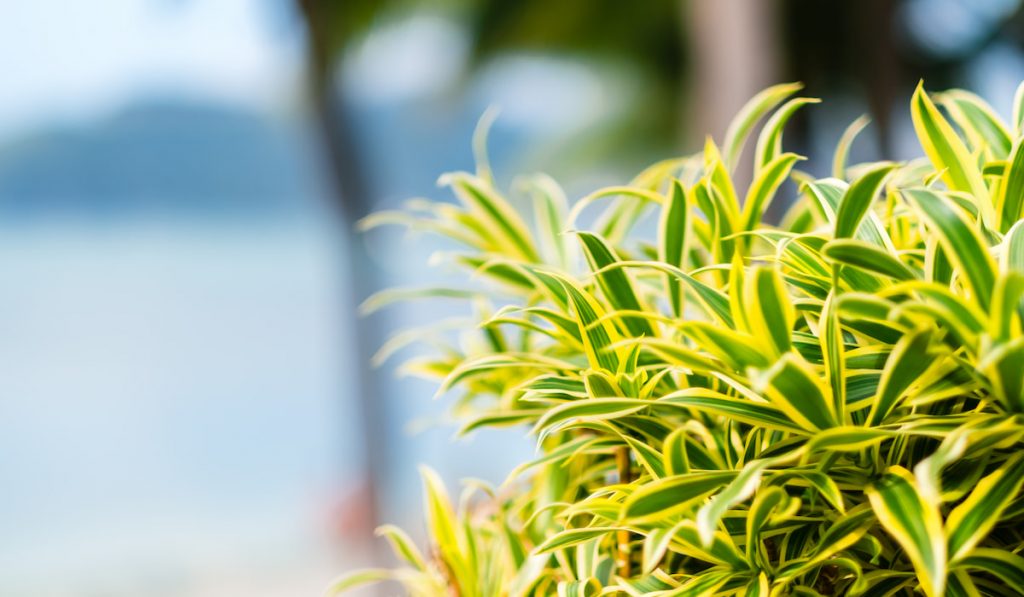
(186, 402)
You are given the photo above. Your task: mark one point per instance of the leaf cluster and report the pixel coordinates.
(830, 404)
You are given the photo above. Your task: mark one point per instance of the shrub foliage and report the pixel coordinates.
(830, 404)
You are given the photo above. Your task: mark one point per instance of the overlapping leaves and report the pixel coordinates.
(830, 404)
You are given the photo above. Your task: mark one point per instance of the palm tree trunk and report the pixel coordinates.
(350, 189)
(735, 50)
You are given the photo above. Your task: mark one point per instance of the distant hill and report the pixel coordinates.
(165, 156)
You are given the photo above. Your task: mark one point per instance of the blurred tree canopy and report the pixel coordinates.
(647, 37)
(875, 47)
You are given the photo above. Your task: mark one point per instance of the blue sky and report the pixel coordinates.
(68, 61)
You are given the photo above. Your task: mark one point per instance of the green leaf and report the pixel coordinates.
(739, 490)
(590, 587)
(858, 254)
(656, 545)
(722, 552)
(614, 282)
(480, 134)
(644, 196)
(501, 418)
(848, 439)
(403, 546)
(959, 241)
(770, 314)
(1003, 365)
(1011, 192)
(673, 235)
(843, 147)
(907, 361)
(975, 517)
(719, 189)
(1007, 306)
(565, 452)
(746, 411)
(550, 208)
(960, 584)
(857, 199)
(766, 503)
(758, 586)
(710, 299)
(570, 537)
(650, 584)
(674, 457)
(663, 498)
(769, 142)
(678, 354)
(915, 524)
(396, 295)
(1018, 110)
(1006, 566)
(443, 528)
(471, 368)
(495, 215)
(974, 116)
(830, 193)
(737, 300)
(706, 584)
(1012, 249)
(796, 390)
(740, 127)
(357, 579)
(737, 350)
(598, 335)
(962, 310)
(764, 187)
(839, 535)
(833, 351)
(827, 194)
(947, 152)
(592, 408)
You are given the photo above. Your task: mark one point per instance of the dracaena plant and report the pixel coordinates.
(828, 404)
